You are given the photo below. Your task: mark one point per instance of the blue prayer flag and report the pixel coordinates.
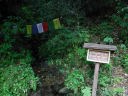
(34, 29)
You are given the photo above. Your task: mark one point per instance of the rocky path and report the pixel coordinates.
(51, 82)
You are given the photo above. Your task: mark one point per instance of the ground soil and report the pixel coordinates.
(51, 81)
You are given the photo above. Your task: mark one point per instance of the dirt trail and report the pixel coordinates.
(51, 81)
(120, 79)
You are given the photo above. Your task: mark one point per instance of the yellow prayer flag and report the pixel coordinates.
(56, 23)
(29, 29)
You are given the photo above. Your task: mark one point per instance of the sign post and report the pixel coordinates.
(98, 53)
(95, 81)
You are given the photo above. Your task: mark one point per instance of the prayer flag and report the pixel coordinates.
(51, 26)
(34, 29)
(29, 29)
(57, 23)
(45, 26)
(40, 28)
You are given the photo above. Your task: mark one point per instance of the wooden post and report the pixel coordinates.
(95, 81)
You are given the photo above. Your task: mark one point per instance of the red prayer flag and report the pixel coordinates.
(45, 26)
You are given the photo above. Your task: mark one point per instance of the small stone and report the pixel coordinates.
(64, 90)
(126, 74)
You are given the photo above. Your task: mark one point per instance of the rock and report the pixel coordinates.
(126, 75)
(64, 90)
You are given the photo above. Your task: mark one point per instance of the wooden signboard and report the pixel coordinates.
(98, 56)
(98, 53)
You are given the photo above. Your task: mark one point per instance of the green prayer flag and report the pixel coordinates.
(50, 26)
(29, 29)
(57, 24)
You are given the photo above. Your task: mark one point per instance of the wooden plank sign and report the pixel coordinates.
(98, 53)
(99, 56)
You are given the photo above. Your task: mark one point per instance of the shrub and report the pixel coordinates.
(16, 75)
(74, 81)
(63, 42)
(17, 80)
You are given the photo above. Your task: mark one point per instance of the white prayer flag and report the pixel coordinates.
(40, 28)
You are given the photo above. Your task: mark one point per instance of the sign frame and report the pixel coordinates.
(102, 52)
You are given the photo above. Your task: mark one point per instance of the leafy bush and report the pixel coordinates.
(17, 80)
(16, 75)
(63, 42)
(74, 81)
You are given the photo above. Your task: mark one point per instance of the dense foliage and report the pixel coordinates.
(82, 21)
(16, 75)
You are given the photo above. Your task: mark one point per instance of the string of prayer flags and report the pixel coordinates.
(34, 29)
(29, 29)
(40, 28)
(45, 26)
(57, 24)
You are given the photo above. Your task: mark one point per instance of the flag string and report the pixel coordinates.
(43, 27)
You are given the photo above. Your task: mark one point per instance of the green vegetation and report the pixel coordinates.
(16, 75)
(82, 21)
